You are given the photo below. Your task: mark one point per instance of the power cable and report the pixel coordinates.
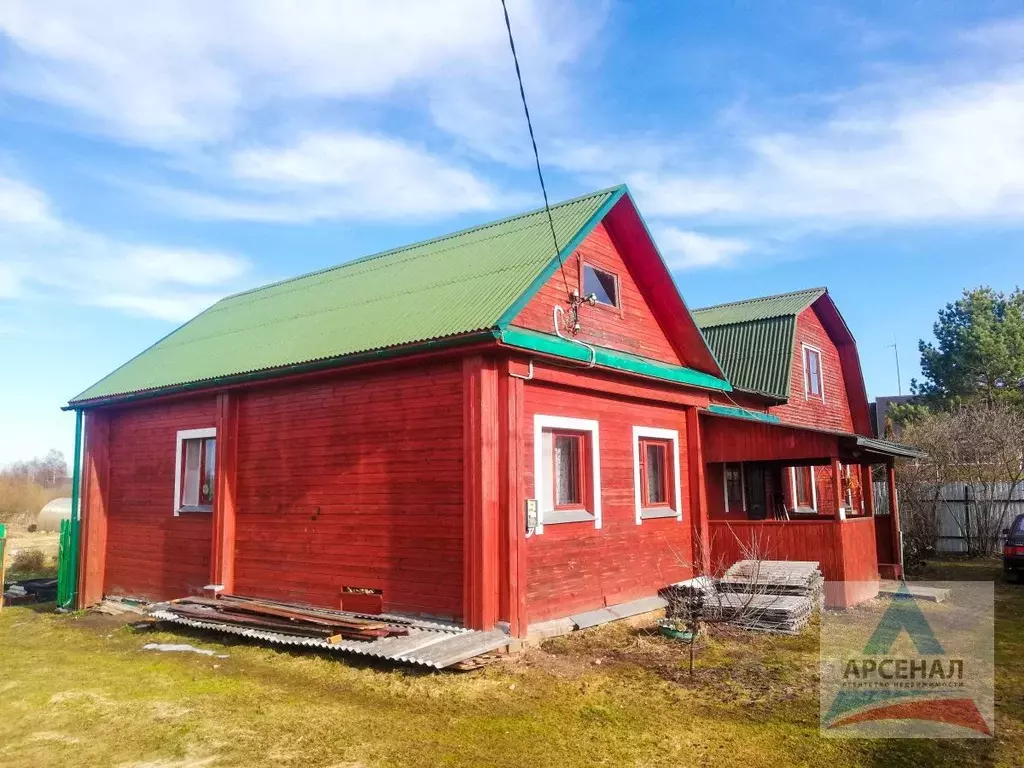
(536, 155)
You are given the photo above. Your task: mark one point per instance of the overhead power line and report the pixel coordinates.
(536, 155)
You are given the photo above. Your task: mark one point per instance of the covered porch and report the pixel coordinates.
(780, 492)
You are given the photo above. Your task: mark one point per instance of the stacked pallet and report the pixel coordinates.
(282, 618)
(772, 595)
(775, 577)
(781, 614)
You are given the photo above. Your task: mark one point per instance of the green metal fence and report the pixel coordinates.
(65, 566)
(67, 555)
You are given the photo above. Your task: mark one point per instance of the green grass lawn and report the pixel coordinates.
(78, 690)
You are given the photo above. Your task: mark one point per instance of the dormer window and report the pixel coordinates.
(813, 382)
(603, 285)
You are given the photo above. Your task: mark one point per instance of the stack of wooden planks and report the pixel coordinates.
(285, 619)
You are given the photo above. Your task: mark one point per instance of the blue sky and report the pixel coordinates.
(154, 160)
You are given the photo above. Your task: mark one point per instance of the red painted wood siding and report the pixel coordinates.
(845, 551)
(635, 329)
(150, 552)
(736, 440)
(859, 549)
(354, 481)
(573, 567)
(776, 540)
(834, 412)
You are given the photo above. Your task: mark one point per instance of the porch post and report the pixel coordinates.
(222, 558)
(894, 515)
(867, 489)
(481, 492)
(95, 498)
(837, 486)
(699, 527)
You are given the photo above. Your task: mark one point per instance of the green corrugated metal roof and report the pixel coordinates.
(753, 339)
(761, 308)
(440, 288)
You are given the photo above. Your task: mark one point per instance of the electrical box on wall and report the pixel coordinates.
(531, 515)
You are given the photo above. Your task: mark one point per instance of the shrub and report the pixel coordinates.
(28, 561)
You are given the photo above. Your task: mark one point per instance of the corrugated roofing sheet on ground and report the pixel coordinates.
(428, 644)
(440, 288)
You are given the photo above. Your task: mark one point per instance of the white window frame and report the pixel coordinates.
(552, 516)
(814, 490)
(743, 484)
(183, 435)
(676, 508)
(807, 372)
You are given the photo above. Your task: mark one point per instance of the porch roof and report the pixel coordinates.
(735, 434)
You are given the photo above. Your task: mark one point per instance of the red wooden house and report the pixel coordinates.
(447, 424)
(790, 457)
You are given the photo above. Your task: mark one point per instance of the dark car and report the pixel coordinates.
(1013, 549)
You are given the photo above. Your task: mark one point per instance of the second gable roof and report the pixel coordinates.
(753, 339)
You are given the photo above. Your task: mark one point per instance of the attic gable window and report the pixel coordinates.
(813, 383)
(603, 285)
(195, 470)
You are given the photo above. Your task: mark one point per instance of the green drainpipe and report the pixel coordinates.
(69, 571)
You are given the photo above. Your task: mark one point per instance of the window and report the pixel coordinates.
(656, 473)
(569, 470)
(655, 486)
(567, 475)
(805, 494)
(195, 470)
(735, 493)
(813, 385)
(604, 285)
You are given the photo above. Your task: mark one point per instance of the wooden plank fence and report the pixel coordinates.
(956, 515)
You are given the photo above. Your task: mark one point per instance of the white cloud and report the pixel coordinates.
(246, 112)
(22, 204)
(942, 154)
(10, 282)
(61, 259)
(338, 175)
(194, 71)
(684, 249)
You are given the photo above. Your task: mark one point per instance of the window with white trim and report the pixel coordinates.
(805, 491)
(195, 470)
(567, 473)
(814, 384)
(656, 485)
(735, 493)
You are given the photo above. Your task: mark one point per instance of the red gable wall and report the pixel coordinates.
(151, 552)
(834, 412)
(354, 482)
(632, 328)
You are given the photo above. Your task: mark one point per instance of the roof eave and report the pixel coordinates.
(268, 374)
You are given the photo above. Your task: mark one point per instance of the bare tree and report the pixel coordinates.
(980, 447)
(723, 594)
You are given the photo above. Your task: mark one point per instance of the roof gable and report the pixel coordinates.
(755, 342)
(753, 339)
(465, 283)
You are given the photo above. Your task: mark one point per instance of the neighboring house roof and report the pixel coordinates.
(753, 339)
(467, 283)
